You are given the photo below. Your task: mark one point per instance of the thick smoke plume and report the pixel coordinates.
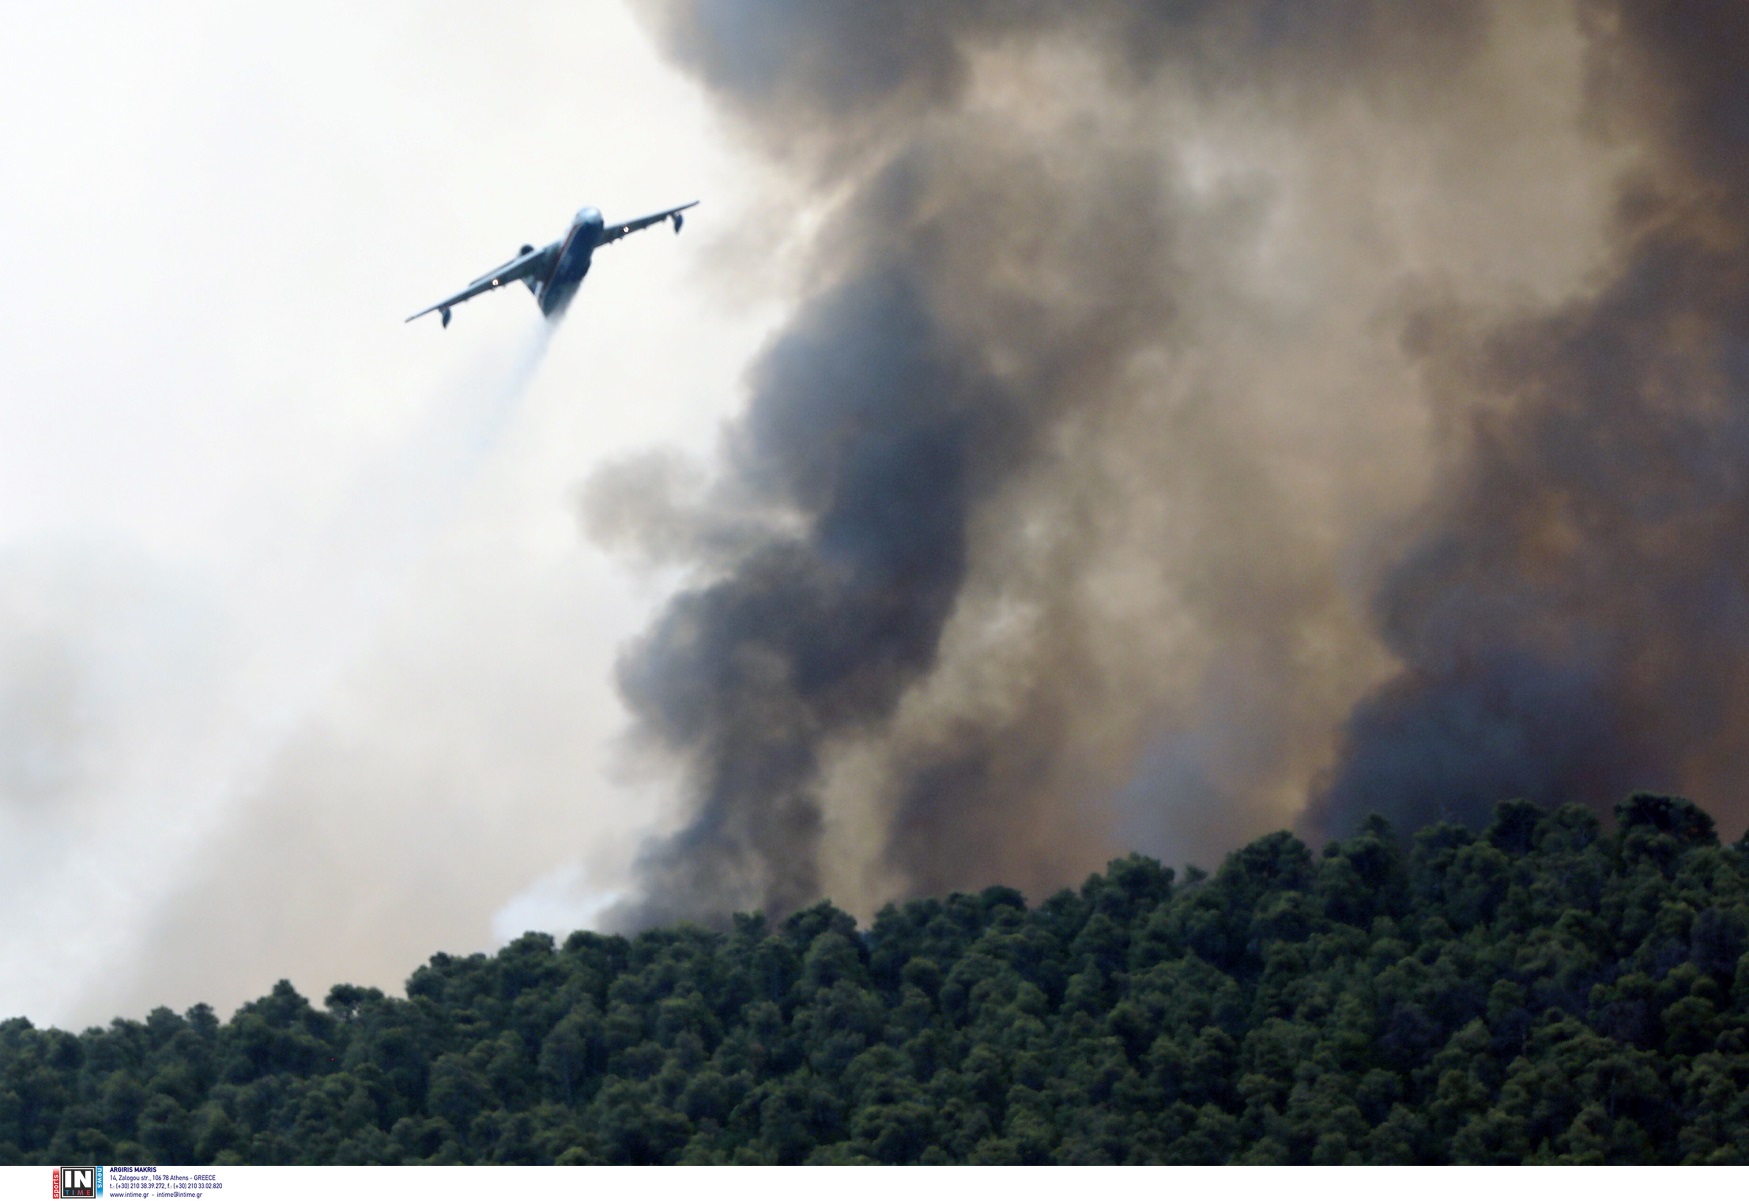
(1201, 418)
(1571, 616)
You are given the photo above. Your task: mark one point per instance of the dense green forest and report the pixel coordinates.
(1544, 991)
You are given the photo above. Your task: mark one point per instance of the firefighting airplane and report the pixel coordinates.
(554, 272)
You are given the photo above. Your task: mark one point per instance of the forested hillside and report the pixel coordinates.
(1542, 991)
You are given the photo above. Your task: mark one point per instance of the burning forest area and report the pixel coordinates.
(1309, 440)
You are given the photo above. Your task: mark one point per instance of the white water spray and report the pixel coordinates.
(154, 708)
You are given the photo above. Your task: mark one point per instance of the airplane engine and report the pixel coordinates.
(678, 222)
(523, 251)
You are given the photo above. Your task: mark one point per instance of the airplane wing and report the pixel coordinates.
(530, 263)
(614, 233)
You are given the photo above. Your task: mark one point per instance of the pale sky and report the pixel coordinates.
(305, 663)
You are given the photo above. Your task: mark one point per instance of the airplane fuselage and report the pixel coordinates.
(560, 288)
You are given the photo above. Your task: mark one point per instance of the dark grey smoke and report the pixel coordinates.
(1573, 617)
(881, 436)
(1068, 514)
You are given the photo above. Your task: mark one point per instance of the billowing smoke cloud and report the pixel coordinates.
(1570, 614)
(1195, 411)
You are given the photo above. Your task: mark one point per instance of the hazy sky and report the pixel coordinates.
(305, 666)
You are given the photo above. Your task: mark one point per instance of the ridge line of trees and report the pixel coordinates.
(1541, 991)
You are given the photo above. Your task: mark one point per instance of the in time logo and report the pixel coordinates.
(79, 1182)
